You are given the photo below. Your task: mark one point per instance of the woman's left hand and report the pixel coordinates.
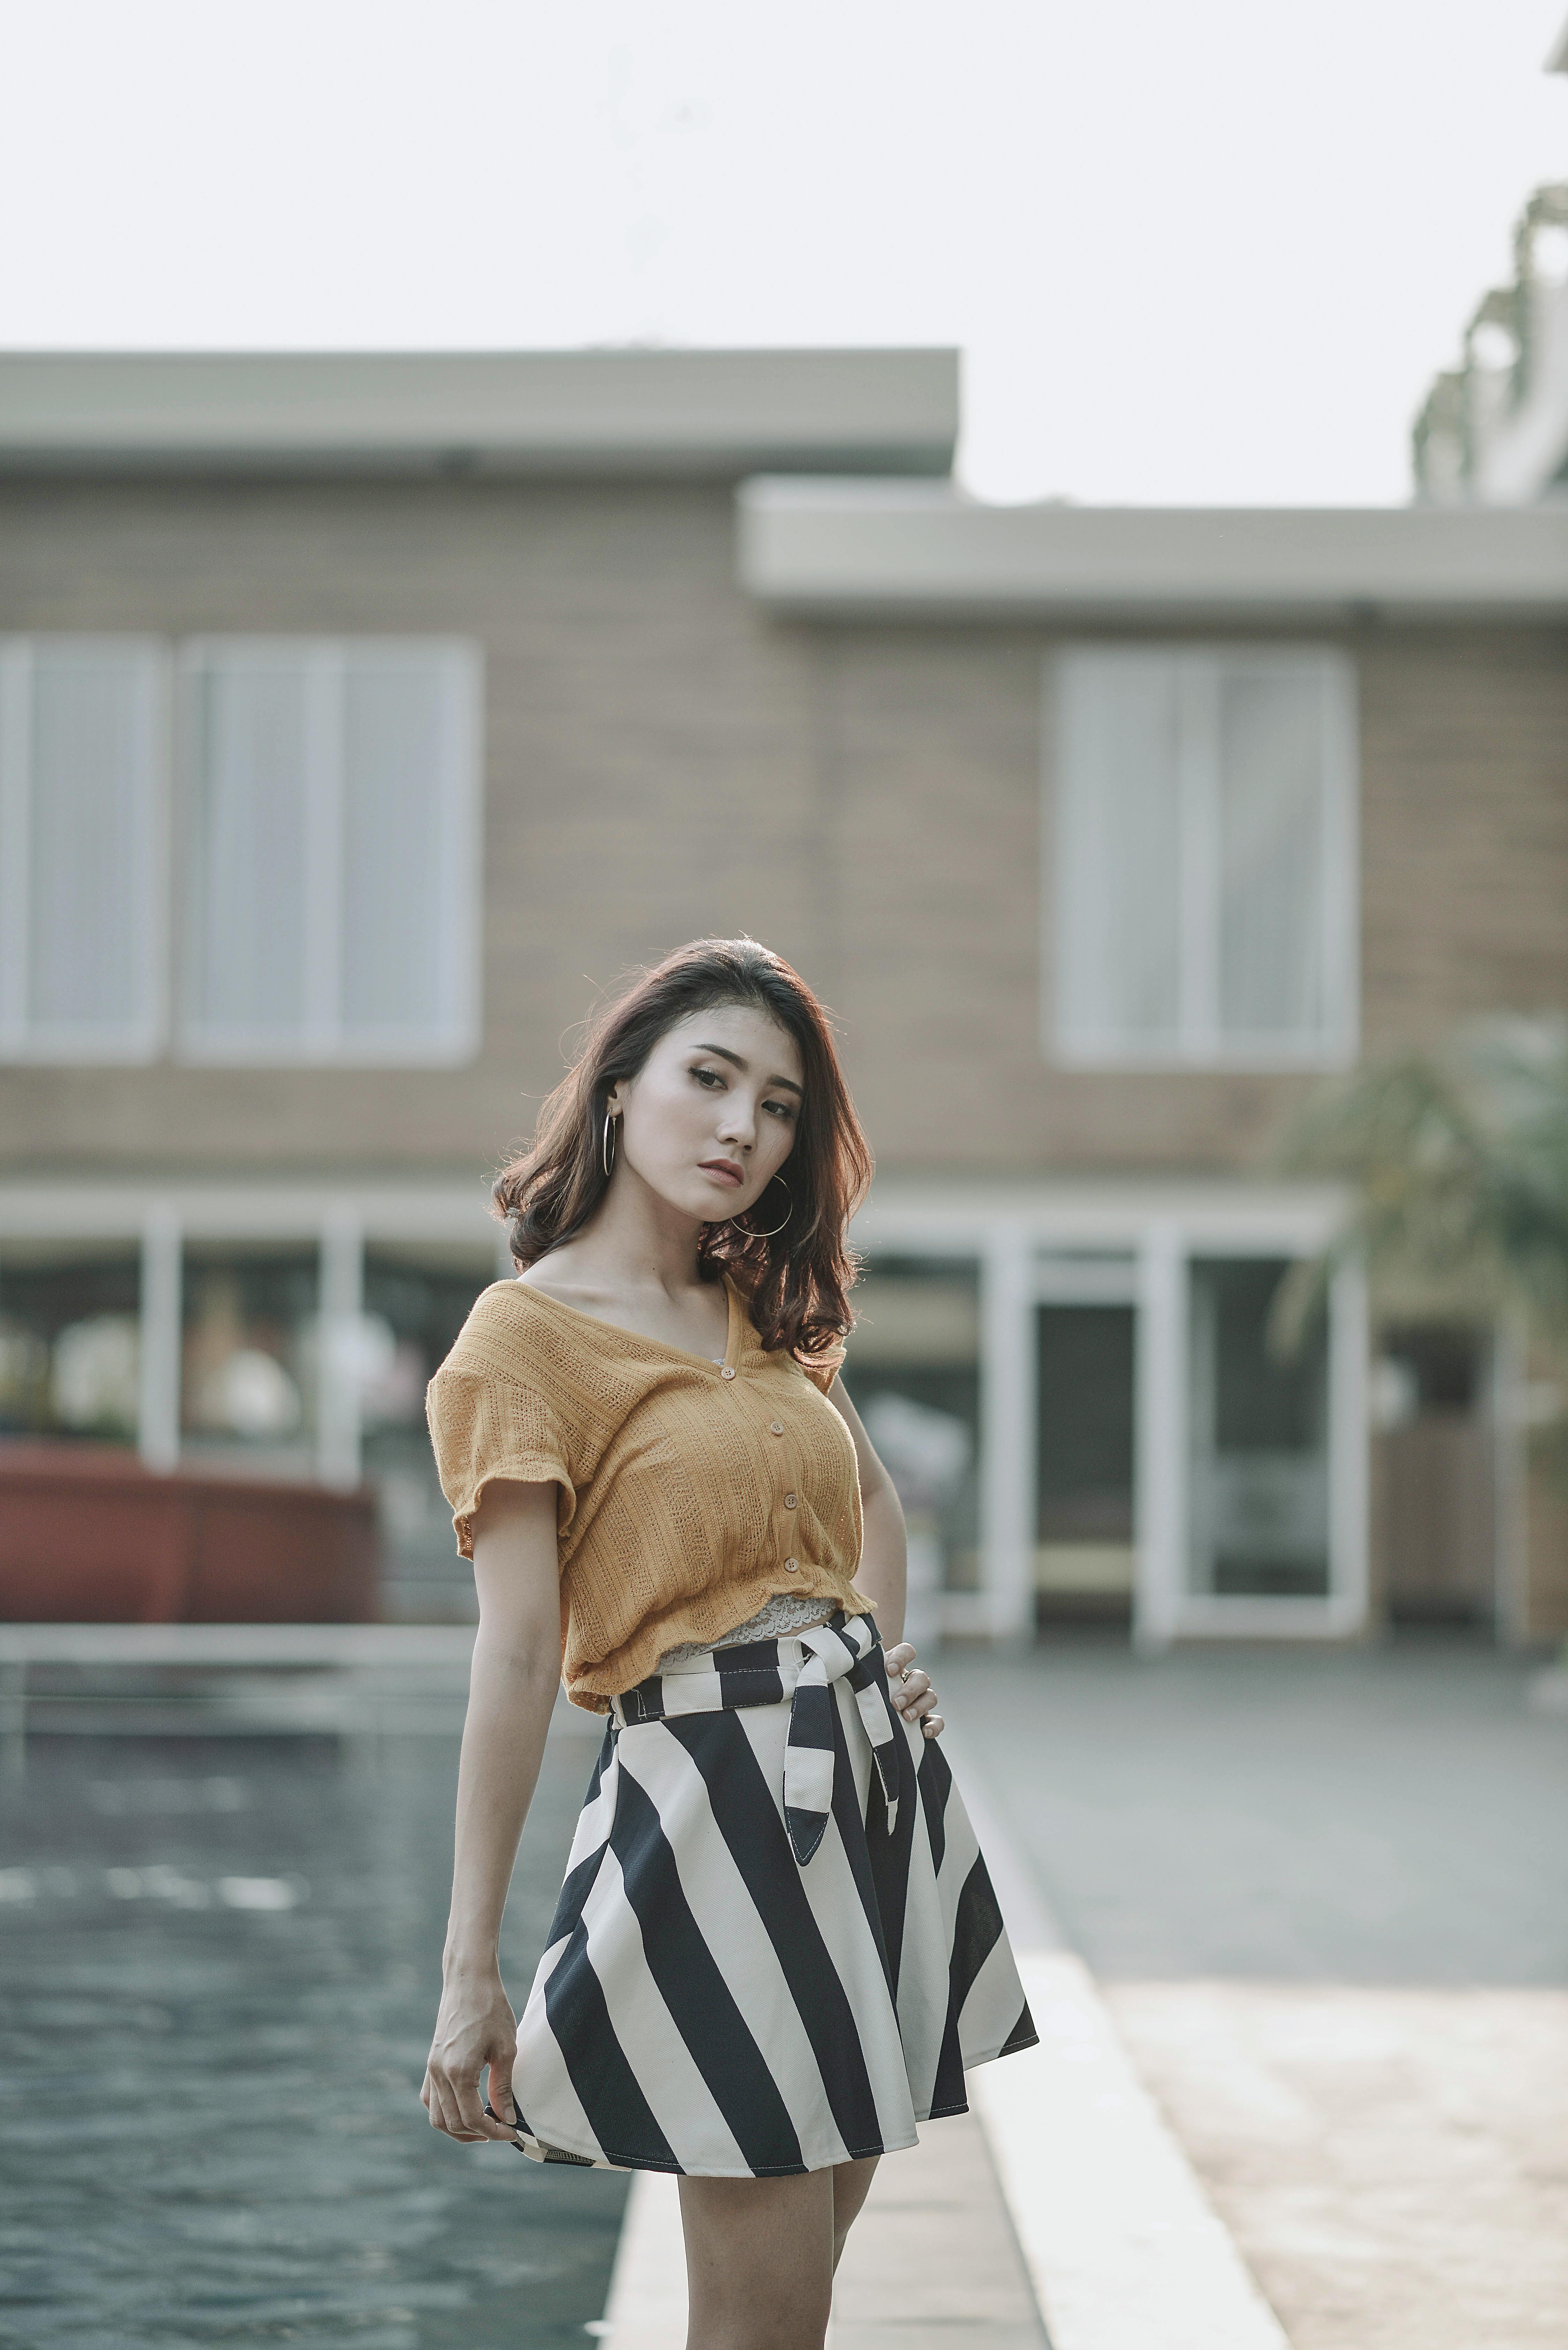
(912, 1691)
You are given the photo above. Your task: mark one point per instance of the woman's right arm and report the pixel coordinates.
(512, 1691)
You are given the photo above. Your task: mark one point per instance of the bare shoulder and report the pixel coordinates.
(561, 1276)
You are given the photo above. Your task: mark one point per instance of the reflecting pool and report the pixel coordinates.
(219, 1963)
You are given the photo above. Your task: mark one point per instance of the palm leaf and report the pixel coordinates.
(1458, 1164)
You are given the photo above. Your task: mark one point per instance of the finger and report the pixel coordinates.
(445, 2113)
(933, 1725)
(925, 1703)
(471, 2109)
(431, 2099)
(909, 1685)
(899, 1659)
(501, 2095)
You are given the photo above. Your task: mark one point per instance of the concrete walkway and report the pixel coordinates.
(1325, 1903)
(932, 2264)
(1060, 2214)
(1394, 2163)
(1313, 2091)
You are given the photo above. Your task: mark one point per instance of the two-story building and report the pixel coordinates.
(360, 718)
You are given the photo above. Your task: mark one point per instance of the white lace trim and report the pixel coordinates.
(785, 1612)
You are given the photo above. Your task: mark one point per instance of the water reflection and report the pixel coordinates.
(218, 1970)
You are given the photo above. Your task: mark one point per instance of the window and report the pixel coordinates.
(1258, 1433)
(416, 1296)
(913, 1374)
(250, 1355)
(1085, 1355)
(327, 837)
(81, 851)
(1205, 857)
(70, 1339)
(330, 824)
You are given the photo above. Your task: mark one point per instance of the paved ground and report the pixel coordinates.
(1393, 2164)
(932, 2263)
(1325, 1899)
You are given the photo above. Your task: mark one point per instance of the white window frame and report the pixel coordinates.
(321, 1040)
(1201, 1042)
(1032, 1243)
(338, 1221)
(21, 1038)
(1157, 1228)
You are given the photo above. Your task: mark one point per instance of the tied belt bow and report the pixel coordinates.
(852, 1652)
(844, 1648)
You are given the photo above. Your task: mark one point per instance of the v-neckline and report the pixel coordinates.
(714, 1363)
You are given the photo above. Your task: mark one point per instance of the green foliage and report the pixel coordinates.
(1459, 1164)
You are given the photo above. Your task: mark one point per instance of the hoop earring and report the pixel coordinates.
(607, 1152)
(751, 1230)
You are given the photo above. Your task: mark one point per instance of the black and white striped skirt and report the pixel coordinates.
(777, 1946)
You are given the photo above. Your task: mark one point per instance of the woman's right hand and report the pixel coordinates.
(511, 1691)
(474, 2028)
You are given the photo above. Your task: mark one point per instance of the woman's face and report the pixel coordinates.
(711, 1116)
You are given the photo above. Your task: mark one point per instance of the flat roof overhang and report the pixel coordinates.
(871, 550)
(619, 412)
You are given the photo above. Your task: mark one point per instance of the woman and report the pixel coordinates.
(776, 1947)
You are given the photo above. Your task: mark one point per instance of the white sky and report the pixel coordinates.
(1208, 252)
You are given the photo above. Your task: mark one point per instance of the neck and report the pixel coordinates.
(637, 1240)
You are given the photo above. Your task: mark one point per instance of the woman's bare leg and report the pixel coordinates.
(759, 2260)
(851, 2186)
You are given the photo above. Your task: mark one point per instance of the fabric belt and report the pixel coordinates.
(803, 1667)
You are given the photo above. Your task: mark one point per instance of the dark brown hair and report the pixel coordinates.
(796, 1280)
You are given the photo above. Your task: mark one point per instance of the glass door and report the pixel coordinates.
(1257, 1462)
(913, 1374)
(1085, 1559)
(417, 1298)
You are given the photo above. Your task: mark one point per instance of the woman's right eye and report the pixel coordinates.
(706, 1074)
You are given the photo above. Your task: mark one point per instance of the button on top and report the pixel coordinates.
(726, 1373)
(777, 1426)
(793, 1565)
(789, 1501)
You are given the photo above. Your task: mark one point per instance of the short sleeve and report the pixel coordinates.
(487, 1424)
(823, 1369)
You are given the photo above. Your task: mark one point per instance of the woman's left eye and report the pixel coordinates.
(782, 1109)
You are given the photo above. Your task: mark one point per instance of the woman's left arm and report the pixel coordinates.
(883, 1571)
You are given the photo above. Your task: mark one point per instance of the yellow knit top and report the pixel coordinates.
(690, 1491)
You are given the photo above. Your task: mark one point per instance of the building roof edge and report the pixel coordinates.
(847, 548)
(648, 411)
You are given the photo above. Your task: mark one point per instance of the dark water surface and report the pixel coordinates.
(219, 1964)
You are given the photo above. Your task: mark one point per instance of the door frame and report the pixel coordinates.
(1153, 1228)
(1145, 1236)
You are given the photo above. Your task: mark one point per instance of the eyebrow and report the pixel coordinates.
(737, 1061)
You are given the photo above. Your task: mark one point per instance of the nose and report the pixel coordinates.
(737, 1125)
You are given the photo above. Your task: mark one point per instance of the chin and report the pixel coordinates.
(710, 1210)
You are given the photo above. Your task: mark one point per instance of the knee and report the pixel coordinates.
(793, 2319)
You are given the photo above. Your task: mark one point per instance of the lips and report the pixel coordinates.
(725, 1168)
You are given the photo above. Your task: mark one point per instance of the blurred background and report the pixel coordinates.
(1055, 522)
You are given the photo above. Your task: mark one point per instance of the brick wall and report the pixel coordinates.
(664, 760)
